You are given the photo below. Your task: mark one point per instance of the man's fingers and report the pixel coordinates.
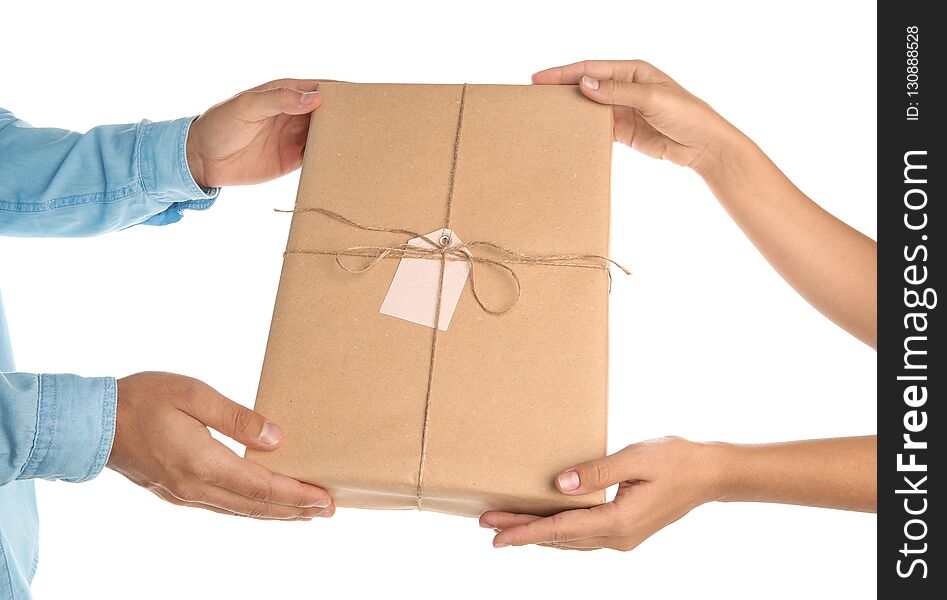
(598, 474)
(172, 499)
(215, 497)
(265, 103)
(563, 527)
(637, 71)
(308, 85)
(257, 509)
(256, 482)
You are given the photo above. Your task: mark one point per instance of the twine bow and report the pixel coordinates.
(441, 249)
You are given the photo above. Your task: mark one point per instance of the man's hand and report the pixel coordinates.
(257, 135)
(162, 443)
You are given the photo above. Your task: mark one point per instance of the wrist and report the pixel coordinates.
(721, 161)
(718, 466)
(194, 162)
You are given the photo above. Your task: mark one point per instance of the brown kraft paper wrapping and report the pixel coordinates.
(514, 398)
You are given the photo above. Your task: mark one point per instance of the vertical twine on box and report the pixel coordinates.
(440, 293)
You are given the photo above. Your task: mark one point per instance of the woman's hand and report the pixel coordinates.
(162, 444)
(653, 113)
(659, 481)
(830, 264)
(257, 135)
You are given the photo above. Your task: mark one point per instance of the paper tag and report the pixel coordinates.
(413, 292)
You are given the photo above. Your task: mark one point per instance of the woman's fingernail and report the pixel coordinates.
(270, 434)
(568, 481)
(486, 525)
(309, 97)
(324, 503)
(500, 544)
(590, 83)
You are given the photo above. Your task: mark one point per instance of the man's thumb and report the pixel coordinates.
(236, 421)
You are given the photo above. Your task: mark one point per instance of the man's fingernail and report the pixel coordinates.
(500, 544)
(324, 503)
(486, 525)
(590, 83)
(270, 434)
(568, 481)
(309, 97)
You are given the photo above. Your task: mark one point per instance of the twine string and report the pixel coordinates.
(502, 258)
(443, 243)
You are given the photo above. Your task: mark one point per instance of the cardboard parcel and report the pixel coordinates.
(440, 334)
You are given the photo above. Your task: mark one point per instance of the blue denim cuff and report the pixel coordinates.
(75, 426)
(165, 175)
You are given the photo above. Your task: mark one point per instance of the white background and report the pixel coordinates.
(708, 342)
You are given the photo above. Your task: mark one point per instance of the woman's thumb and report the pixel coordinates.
(593, 475)
(621, 93)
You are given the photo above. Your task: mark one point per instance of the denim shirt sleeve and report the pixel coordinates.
(55, 426)
(58, 183)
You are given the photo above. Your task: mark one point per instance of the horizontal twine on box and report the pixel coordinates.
(442, 251)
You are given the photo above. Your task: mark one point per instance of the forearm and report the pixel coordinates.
(55, 426)
(57, 183)
(831, 473)
(828, 263)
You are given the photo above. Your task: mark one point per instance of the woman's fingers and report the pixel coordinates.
(497, 519)
(656, 487)
(652, 113)
(563, 527)
(631, 83)
(636, 71)
(567, 547)
(599, 521)
(622, 544)
(644, 97)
